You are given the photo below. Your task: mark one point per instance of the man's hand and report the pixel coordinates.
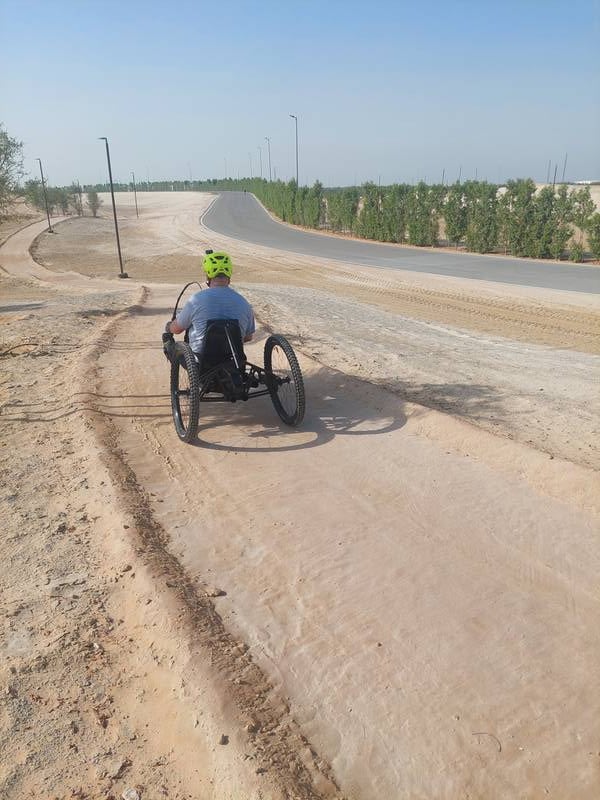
(168, 344)
(174, 327)
(168, 339)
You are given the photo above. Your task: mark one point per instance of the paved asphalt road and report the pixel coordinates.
(239, 215)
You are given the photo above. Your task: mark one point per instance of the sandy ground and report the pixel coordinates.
(398, 599)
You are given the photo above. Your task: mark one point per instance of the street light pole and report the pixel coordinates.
(268, 141)
(79, 194)
(112, 194)
(260, 157)
(295, 118)
(45, 196)
(250, 157)
(135, 195)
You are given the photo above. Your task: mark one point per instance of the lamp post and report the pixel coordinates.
(79, 194)
(250, 157)
(112, 194)
(260, 159)
(295, 118)
(268, 141)
(135, 194)
(45, 195)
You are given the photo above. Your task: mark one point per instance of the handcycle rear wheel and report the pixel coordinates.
(185, 392)
(284, 380)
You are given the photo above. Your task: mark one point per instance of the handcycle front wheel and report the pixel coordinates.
(185, 392)
(284, 380)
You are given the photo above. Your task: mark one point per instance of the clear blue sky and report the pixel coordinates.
(385, 90)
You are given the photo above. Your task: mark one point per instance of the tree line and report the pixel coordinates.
(515, 218)
(61, 199)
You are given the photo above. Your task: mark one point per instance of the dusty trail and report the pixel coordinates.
(118, 671)
(358, 553)
(416, 597)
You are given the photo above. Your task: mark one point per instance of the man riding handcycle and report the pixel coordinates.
(210, 364)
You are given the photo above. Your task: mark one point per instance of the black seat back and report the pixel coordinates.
(222, 344)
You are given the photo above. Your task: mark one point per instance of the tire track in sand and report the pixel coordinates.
(275, 739)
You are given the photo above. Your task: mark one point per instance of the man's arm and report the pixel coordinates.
(250, 326)
(183, 321)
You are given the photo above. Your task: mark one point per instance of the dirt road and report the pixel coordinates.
(405, 603)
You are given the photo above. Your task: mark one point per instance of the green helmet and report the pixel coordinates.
(217, 264)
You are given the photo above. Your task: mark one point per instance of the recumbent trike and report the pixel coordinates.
(222, 373)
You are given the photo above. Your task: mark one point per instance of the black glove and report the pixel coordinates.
(168, 344)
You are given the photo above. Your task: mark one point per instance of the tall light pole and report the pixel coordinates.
(112, 194)
(295, 118)
(135, 195)
(260, 159)
(268, 141)
(564, 168)
(79, 194)
(250, 157)
(45, 196)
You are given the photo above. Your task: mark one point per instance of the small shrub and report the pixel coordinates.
(93, 202)
(593, 229)
(576, 253)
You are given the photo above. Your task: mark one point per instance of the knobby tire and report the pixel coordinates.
(185, 407)
(288, 398)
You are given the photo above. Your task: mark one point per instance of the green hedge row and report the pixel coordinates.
(483, 217)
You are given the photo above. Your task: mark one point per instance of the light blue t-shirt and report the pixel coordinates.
(216, 302)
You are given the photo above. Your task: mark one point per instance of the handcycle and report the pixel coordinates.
(222, 374)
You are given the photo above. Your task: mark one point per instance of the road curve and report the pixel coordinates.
(240, 216)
